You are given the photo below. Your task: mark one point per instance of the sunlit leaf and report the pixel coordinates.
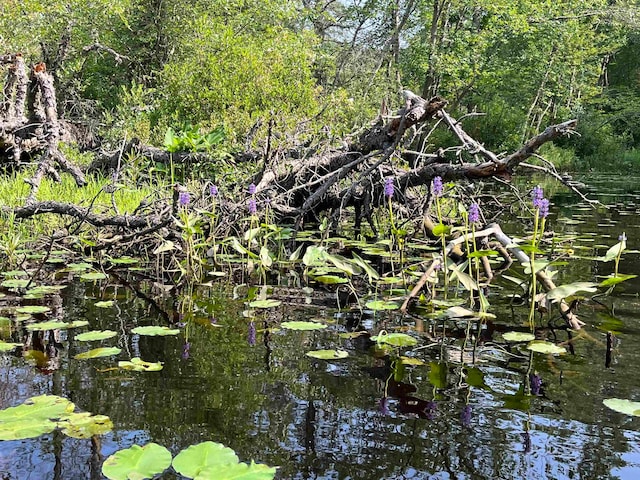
(237, 471)
(98, 352)
(411, 361)
(268, 303)
(350, 335)
(139, 365)
(377, 305)
(483, 253)
(105, 304)
(93, 276)
(153, 330)
(296, 325)
(459, 312)
(614, 280)
(165, 246)
(465, 279)
(438, 374)
(137, 463)
(440, 230)
(33, 309)
(368, 269)
(85, 425)
(564, 291)
(34, 417)
(45, 289)
(330, 279)
(190, 461)
(265, 258)
(15, 283)
(518, 336)
(95, 335)
(7, 347)
(314, 256)
(537, 265)
(627, 407)
(344, 264)
(78, 267)
(396, 339)
(614, 251)
(540, 346)
(328, 354)
(56, 325)
(124, 261)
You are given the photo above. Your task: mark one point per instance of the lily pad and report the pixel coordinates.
(330, 279)
(328, 354)
(302, 325)
(237, 471)
(98, 352)
(378, 305)
(138, 365)
(56, 325)
(190, 461)
(540, 346)
(564, 291)
(34, 417)
(123, 261)
(15, 283)
(137, 462)
(95, 335)
(33, 309)
(45, 289)
(78, 267)
(93, 276)
(396, 339)
(623, 406)
(104, 304)
(7, 347)
(85, 425)
(518, 336)
(269, 303)
(153, 330)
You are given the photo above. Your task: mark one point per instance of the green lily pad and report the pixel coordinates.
(396, 339)
(302, 325)
(104, 304)
(518, 336)
(190, 461)
(56, 324)
(85, 425)
(540, 346)
(98, 352)
(15, 283)
(269, 303)
(237, 471)
(378, 305)
(15, 273)
(123, 261)
(328, 354)
(78, 267)
(137, 462)
(153, 330)
(330, 279)
(33, 309)
(45, 289)
(93, 276)
(350, 335)
(95, 335)
(564, 291)
(138, 365)
(34, 417)
(623, 406)
(7, 347)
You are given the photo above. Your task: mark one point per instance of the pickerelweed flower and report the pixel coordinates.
(430, 410)
(252, 189)
(474, 213)
(465, 415)
(436, 186)
(536, 383)
(251, 337)
(253, 208)
(185, 350)
(213, 190)
(537, 195)
(544, 208)
(388, 187)
(184, 198)
(383, 406)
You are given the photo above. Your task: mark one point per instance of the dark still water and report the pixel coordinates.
(504, 414)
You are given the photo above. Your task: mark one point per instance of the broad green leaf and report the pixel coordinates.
(303, 325)
(137, 463)
(98, 352)
(623, 406)
(139, 365)
(85, 425)
(190, 461)
(459, 312)
(438, 374)
(237, 471)
(330, 279)
(377, 305)
(328, 354)
(483, 253)
(344, 264)
(564, 291)
(368, 269)
(265, 258)
(440, 230)
(153, 330)
(350, 335)
(7, 347)
(165, 246)
(33, 309)
(537, 265)
(56, 325)
(608, 282)
(35, 417)
(91, 276)
(396, 339)
(296, 254)
(104, 304)
(45, 289)
(518, 336)
(15, 273)
(124, 261)
(614, 251)
(78, 267)
(95, 335)
(268, 303)
(540, 346)
(15, 283)
(465, 279)
(411, 361)
(314, 256)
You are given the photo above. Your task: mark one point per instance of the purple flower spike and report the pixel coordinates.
(536, 383)
(388, 187)
(252, 189)
(544, 208)
(465, 416)
(184, 198)
(213, 191)
(474, 213)
(436, 186)
(251, 337)
(383, 406)
(185, 350)
(253, 208)
(537, 196)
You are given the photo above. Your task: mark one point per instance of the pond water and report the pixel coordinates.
(351, 419)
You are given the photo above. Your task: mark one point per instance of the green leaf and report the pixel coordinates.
(98, 352)
(483, 253)
(33, 309)
(438, 374)
(190, 461)
(124, 261)
(314, 256)
(268, 303)
(564, 291)
(15, 283)
(92, 276)
(465, 279)
(608, 282)
(7, 347)
(540, 346)
(85, 425)
(330, 279)
(56, 324)
(440, 230)
(344, 264)
(265, 258)
(95, 335)
(105, 304)
(396, 339)
(623, 406)
(614, 251)
(78, 267)
(138, 365)
(537, 265)
(34, 417)
(328, 354)
(368, 269)
(153, 330)
(518, 336)
(303, 325)
(137, 463)
(237, 471)
(411, 361)
(377, 305)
